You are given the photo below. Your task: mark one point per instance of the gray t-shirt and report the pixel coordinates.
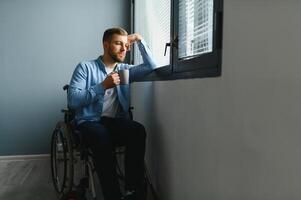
(110, 101)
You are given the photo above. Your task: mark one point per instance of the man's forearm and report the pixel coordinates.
(148, 65)
(78, 98)
(146, 54)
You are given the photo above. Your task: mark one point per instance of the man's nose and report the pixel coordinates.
(123, 47)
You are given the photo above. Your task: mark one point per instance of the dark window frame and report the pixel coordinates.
(200, 66)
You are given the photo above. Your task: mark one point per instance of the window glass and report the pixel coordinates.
(195, 27)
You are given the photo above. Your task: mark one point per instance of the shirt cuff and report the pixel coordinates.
(142, 42)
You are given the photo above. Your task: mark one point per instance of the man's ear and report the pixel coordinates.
(106, 45)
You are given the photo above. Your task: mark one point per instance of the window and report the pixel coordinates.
(185, 36)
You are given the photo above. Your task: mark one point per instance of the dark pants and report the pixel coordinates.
(102, 137)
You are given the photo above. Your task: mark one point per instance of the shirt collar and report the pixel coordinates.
(101, 64)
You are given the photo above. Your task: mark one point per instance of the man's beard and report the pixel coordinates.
(115, 57)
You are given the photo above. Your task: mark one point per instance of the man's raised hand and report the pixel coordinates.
(133, 38)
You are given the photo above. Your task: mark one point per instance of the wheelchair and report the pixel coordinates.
(72, 166)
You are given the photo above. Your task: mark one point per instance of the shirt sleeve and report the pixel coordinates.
(148, 65)
(78, 94)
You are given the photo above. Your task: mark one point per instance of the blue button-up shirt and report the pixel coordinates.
(86, 94)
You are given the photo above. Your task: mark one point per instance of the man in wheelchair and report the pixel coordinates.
(99, 93)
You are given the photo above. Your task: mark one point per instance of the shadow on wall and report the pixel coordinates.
(156, 152)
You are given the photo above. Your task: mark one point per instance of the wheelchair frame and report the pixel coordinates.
(66, 149)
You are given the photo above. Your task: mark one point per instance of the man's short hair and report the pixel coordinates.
(107, 36)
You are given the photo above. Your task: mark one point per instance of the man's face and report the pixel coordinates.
(117, 47)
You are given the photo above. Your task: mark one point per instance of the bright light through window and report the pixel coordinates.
(152, 21)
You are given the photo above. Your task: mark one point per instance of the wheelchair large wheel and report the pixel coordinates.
(62, 159)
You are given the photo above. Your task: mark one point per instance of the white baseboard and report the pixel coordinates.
(25, 157)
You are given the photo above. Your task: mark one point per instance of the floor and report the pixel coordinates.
(30, 179)
(26, 179)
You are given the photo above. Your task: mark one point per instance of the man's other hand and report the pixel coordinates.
(111, 81)
(133, 38)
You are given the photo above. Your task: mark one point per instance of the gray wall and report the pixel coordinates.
(41, 41)
(235, 137)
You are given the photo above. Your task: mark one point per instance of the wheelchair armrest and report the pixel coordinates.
(130, 112)
(65, 111)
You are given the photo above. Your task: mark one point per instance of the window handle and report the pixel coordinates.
(174, 44)
(166, 45)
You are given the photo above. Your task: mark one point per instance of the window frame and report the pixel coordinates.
(200, 66)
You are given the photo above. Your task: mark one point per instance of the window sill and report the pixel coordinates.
(165, 73)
